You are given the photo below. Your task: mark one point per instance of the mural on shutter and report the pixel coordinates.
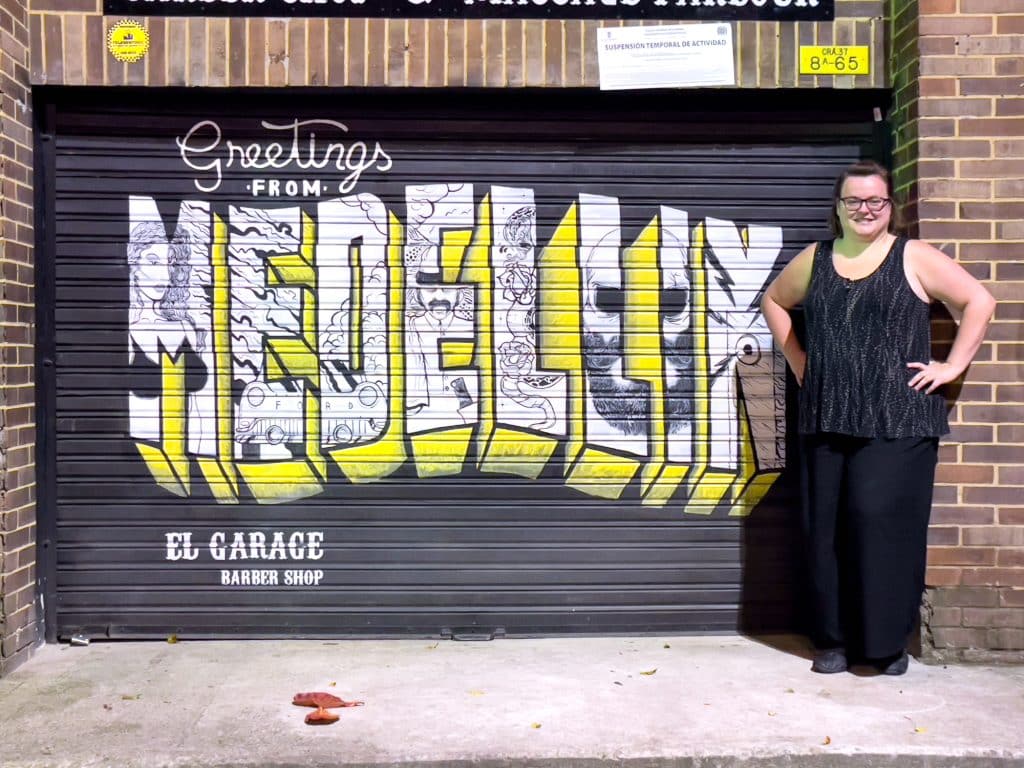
(278, 349)
(369, 367)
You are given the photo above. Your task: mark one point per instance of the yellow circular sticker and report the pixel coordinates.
(128, 41)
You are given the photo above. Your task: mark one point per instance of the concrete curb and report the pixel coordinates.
(864, 760)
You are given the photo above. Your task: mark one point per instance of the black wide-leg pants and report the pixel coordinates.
(866, 504)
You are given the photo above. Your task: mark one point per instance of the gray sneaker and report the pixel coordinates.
(896, 666)
(829, 661)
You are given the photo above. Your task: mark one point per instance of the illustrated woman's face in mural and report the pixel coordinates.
(152, 275)
(150, 259)
(160, 272)
(623, 402)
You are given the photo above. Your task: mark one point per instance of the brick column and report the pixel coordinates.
(20, 626)
(958, 78)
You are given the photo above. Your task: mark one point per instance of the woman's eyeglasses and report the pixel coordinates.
(874, 204)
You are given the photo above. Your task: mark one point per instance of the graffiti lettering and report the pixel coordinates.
(288, 344)
(288, 188)
(252, 577)
(256, 545)
(201, 150)
(179, 546)
(303, 578)
(261, 577)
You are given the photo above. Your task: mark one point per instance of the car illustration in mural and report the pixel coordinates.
(272, 414)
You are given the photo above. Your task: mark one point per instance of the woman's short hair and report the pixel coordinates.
(862, 169)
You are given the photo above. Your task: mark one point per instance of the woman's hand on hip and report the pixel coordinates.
(930, 376)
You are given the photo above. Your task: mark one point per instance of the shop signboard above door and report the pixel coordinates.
(677, 10)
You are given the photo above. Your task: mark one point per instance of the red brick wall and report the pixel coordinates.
(69, 48)
(19, 623)
(958, 75)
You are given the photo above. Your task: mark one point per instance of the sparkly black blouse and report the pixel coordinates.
(860, 336)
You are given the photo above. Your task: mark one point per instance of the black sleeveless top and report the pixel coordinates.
(860, 336)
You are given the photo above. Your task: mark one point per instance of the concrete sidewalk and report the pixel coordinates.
(673, 701)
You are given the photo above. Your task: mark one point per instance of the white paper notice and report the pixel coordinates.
(679, 56)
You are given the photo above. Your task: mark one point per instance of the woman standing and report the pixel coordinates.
(871, 412)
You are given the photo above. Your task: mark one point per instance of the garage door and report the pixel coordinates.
(347, 364)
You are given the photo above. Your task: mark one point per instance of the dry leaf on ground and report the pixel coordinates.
(321, 716)
(322, 700)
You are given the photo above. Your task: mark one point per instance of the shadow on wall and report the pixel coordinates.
(771, 586)
(771, 555)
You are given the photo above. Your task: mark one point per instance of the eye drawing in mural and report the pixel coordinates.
(295, 346)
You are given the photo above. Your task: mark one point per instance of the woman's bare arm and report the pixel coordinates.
(946, 281)
(785, 292)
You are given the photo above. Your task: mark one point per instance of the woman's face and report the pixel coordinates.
(151, 272)
(862, 223)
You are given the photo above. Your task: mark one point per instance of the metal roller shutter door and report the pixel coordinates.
(466, 365)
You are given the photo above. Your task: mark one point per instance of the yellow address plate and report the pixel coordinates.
(835, 60)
